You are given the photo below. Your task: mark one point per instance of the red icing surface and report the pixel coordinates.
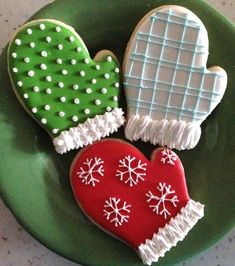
(142, 222)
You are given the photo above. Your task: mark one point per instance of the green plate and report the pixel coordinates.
(34, 181)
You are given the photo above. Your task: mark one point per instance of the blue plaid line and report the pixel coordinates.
(211, 95)
(157, 69)
(162, 16)
(149, 40)
(168, 64)
(162, 108)
(174, 73)
(142, 37)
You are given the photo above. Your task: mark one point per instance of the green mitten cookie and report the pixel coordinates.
(72, 96)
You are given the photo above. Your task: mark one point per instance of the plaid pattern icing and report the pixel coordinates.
(165, 74)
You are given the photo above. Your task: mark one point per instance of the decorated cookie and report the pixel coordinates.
(169, 90)
(144, 203)
(74, 97)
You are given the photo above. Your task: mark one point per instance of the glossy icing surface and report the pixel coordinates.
(55, 78)
(130, 196)
(165, 74)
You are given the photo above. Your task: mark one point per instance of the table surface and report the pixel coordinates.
(17, 247)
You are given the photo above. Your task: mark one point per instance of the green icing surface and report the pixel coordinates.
(64, 96)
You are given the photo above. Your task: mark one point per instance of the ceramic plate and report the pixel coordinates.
(34, 181)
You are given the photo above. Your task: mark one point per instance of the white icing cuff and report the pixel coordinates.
(91, 130)
(180, 135)
(174, 231)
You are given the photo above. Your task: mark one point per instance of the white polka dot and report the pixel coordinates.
(32, 44)
(29, 31)
(116, 70)
(106, 76)
(97, 102)
(42, 26)
(60, 46)
(109, 59)
(34, 110)
(43, 121)
(63, 99)
(31, 73)
(79, 49)
(104, 90)
(58, 29)
(47, 107)
(15, 70)
(88, 90)
(48, 39)
(97, 67)
(73, 62)
(116, 85)
(14, 55)
(18, 42)
(59, 61)
(86, 61)
(75, 87)
(64, 72)
(43, 67)
(115, 98)
(36, 89)
(48, 78)
(75, 118)
(48, 91)
(82, 73)
(44, 54)
(108, 108)
(20, 83)
(26, 60)
(71, 38)
(61, 85)
(26, 96)
(93, 81)
(61, 114)
(55, 130)
(87, 111)
(76, 101)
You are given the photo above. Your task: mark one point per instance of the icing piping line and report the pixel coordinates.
(91, 130)
(174, 231)
(171, 133)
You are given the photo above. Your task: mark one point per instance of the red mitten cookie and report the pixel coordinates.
(144, 203)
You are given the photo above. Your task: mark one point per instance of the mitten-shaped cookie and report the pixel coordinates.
(169, 90)
(72, 96)
(144, 203)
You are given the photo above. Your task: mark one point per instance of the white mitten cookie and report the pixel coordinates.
(169, 90)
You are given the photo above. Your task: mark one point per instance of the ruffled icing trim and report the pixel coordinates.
(180, 135)
(91, 130)
(174, 231)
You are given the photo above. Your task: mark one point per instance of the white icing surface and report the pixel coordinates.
(174, 231)
(165, 75)
(96, 128)
(171, 133)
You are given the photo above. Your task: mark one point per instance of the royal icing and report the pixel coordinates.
(59, 72)
(144, 203)
(169, 90)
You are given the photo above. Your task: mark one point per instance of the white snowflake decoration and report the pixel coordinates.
(116, 212)
(93, 168)
(132, 170)
(168, 157)
(160, 208)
